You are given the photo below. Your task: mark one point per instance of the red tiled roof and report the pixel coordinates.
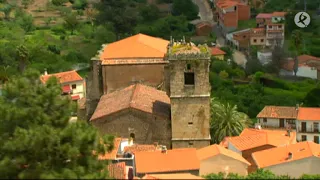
(217, 51)
(133, 61)
(117, 171)
(275, 156)
(75, 97)
(264, 15)
(278, 112)
(309, 114)
(66, 88)
(139, 147)
(63, 77)
(279, 14)
(134, 47)
(172, 176)
(173, 160)
(213, 150)
(226, 4)
(113, 154)
(140, 97)
(252, 138)
(304, 58)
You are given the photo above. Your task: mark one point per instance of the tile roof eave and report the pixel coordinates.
(182, 170)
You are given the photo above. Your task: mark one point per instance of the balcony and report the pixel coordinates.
(275, 36)
(309, 129)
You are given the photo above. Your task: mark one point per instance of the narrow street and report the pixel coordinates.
(204, 10)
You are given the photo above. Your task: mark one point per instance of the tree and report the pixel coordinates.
(149, 13)
(278, 56)
(37, 140)
(71, 22)
(296, 39)
(223, 74)
(312, 99)
(186, 8)
(91, 13)
(26, 3)
(226, 121)
(58, 2)
(22, 56)
(123, 15)
(6, 9)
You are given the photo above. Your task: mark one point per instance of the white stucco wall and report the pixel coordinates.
(309, 127)
(270, 122)
(79, 88)
(305, 71)
(295, 169)
(264, 57)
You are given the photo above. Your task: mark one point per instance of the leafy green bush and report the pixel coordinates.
(58, 30)
(80, 4)
(53, 48)
(58, 2)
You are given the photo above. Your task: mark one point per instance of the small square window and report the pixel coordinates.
(270, 27)
(265, 120)
(280, 26)
(303, 137)
(190, 143)
(190, 123)
(189, 78)
(262, 40)
(188, 67)
(74, 86)
(255, 40)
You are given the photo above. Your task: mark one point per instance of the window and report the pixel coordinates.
(235, 8)
(74, 86)
(255, 40)
(262, 40)
(188, 67)
(316, 127)
(316, 139)
(280, 26)
(270, 27)
(189, 78)
(244, 36)
(190, 143)
(190, 123)
(303, 137)
(265, 120)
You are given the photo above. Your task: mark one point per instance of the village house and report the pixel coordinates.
(71, 83)
(166, 161)
(293, 160)
(258, 37)
(229, 12)
(217, 53)
(278, 117)
(243, 39)
(204, 29)
(308, 67)
(216, 158)
(150, 115)
(262, 19)
(308, 121)
(254, 140)
(138, 111)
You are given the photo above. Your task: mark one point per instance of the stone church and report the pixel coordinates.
(152, 90)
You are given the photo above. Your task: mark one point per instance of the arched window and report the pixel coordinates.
(132, 135)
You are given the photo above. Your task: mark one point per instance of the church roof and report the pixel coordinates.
(138, 96)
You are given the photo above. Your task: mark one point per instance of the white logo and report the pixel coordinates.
(302, 19)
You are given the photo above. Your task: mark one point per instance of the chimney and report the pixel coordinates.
(297, 107)
(289, 156)
(45, 72)
(164, 149)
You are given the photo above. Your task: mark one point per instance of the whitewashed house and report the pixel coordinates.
(308, 121)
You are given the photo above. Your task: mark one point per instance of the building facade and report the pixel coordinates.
(308, 123)
(189, 91)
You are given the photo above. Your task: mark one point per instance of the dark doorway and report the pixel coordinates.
(282, 123)
(132, 135)
(189, 78)
(303, 137)
(303, 126)
(316, 139)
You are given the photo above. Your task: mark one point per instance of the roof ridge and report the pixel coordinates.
(134, 91)
(141, 42)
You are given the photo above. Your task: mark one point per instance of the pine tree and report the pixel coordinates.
(37, 140)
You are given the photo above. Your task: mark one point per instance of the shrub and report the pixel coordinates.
(223, 74)
(58, 2)
(58, 30)
(53, 48)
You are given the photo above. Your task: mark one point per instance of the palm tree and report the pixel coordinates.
(226, 121)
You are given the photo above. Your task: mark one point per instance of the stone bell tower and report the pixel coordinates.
(189, 92)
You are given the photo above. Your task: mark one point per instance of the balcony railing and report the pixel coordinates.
(309, 129)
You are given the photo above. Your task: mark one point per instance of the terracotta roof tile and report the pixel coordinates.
(64, 77)
(172, 176)
(280, 155)
(213, 150)
(279, 14)
(174, 160)
(217, 51)
(137, 46)
(264, 15)
(304, 58)
(251, 138)
(140, 97)
(140, 147)
(133, 61)
(117, 171)
(309, 114)
(278, 112)
(113, 154)
(258, 32)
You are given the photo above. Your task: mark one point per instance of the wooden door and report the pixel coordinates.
(303, 126)
(282, 123)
